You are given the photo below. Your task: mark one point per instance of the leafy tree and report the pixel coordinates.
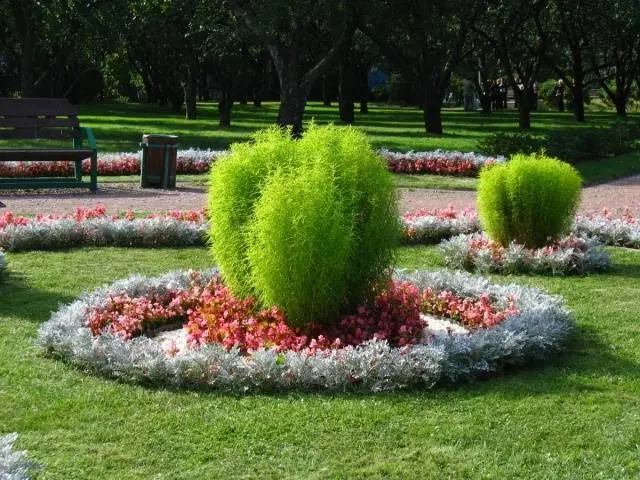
(615, 55)
(288, 28)
(568, 30)
(426, 40)
(511, 28)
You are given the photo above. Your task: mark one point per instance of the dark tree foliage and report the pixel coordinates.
(510, 28)
(288, 28)
(615, 52)
(426, 41)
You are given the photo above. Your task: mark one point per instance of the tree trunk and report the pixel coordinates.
(578, 86)
(292, 105)
(345, 90)
(189, 85)
(27, 60)
(524, 110)
(363, 89)
(578, 101)
(326, 98)
(485, 101)
(204, 87)
(224, 108)
(433, 111)
(621, 105)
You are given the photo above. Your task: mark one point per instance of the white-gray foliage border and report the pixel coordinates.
(14, 464)
(539, 331)
(457, 253)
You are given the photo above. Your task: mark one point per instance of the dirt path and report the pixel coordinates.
(120, 197)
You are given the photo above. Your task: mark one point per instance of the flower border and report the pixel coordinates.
(189, 228)
(197, 161)
(458, 252)
(541, 329)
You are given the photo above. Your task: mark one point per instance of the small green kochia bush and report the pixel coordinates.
(309, 225)
(530, 200)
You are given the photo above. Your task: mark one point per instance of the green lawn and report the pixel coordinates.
(575, 417)
(119, 127)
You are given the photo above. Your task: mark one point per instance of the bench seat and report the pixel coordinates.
(46, 119)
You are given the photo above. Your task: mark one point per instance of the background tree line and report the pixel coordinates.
(175, 52)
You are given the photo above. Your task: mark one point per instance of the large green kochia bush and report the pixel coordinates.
(309, 225)
(530, 200)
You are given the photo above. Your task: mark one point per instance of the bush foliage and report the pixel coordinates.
(510, 144)
(308, 225)
(569, 145)
(530, 200)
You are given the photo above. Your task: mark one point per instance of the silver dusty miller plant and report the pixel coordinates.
(541, 329)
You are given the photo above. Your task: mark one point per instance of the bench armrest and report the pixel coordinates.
(88, 133)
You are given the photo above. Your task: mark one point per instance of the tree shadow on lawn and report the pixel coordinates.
(21, 300)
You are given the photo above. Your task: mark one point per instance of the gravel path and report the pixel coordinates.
(120, 197)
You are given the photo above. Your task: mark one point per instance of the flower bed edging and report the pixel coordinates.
(432, 226)
(622, 232)
(570, 255)
(14, 464)
(438, 162)
(542, 328)
(197, 161)
(93, 227)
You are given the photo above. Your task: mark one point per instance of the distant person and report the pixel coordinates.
(502, 94)
(558, 94)
(496, 101)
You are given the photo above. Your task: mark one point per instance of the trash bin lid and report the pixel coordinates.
(159, 138)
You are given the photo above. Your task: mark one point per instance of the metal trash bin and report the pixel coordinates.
(158, 161)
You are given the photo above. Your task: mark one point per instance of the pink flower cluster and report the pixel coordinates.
(210, 314)
(498, 252)
(100, 211)
(109, 165)
(472, 313)
(441, 166)
(626, 216)
(394, 316)
(449, 213)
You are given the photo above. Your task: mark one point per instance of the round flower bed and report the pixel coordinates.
(569, 255)
(384, 346)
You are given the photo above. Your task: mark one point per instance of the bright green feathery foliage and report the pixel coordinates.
(309, 225)
(531, 199)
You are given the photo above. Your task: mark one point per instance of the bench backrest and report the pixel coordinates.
(38, 118)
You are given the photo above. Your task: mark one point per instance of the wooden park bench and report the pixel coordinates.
(45, 119)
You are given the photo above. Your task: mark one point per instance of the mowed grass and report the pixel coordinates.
(575, 417)
(119, 128)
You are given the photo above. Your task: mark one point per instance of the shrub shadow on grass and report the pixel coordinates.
(14, 289)
(626, 270)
